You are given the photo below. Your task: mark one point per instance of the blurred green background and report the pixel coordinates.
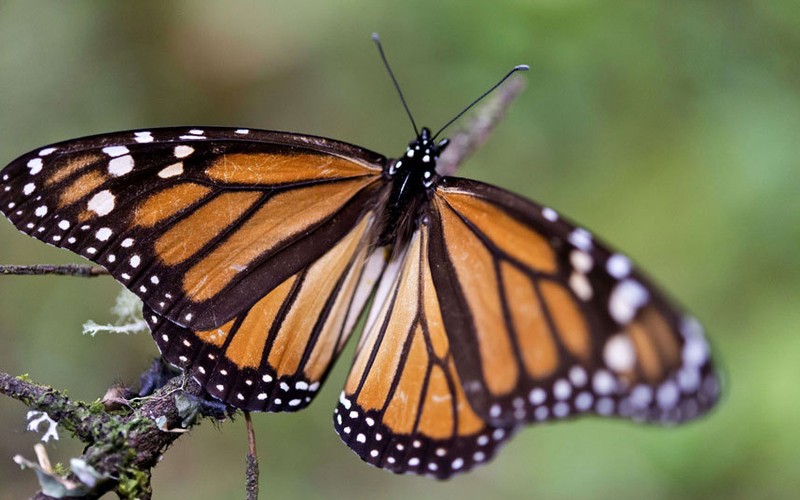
(671, 128)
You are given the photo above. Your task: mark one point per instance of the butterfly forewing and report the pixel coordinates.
(199, 223)
(546, 322)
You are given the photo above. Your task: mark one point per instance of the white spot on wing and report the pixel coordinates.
(103, 234)
(537, 396)
(561, 409)
(114, 151)
(102, 203)
(605, 406)
(619, 353)
(581, 238)
(549, 214)
(626, 299)
(183, 151)
(641, 395)
(171, 171)
(581, 261)
(142, 137)
(584, 401)
(618, 266)
(577, 375)
(120, 165)
(695, 351)
(562, 389)
(35, 165)
(581, 286)
(689, 379)
(667, 395)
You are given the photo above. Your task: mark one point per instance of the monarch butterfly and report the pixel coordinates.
(256, 253)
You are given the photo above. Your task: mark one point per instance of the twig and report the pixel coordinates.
(476, 130)
(80, 270)
(252, 459)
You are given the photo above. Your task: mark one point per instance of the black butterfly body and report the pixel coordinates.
(256, 252)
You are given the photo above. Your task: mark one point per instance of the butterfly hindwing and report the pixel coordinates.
(546, 322)
(199, 223)
(403, 407)
(275, 355)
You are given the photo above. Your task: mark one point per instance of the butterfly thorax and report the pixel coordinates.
(413, 177)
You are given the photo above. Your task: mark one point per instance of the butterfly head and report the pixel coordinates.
(418, 164)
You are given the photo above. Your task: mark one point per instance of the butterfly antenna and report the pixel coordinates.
(521, 67)
(377, 40)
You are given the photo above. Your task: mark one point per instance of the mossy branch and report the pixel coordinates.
(125, 436)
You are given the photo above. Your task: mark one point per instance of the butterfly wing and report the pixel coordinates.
(404, 406)
(547, 322)
(200, 224)
(274, 355)
(501, 313)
